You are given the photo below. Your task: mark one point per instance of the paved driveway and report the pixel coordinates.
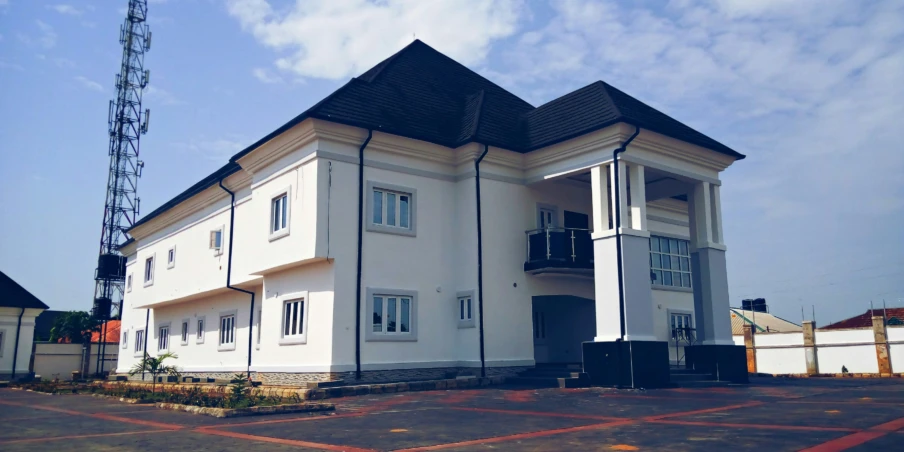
(770, 414)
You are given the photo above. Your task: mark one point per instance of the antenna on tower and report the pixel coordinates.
(126, 124)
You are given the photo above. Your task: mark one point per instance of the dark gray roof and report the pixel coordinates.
(12, 295)
(422, 94)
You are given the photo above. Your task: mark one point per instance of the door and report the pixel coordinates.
(546, 218)
(541, 349)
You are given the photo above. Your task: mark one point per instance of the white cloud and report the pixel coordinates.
(13, 66)
(335, 39)
(161, 96)
(216, 149)
(48, 36)
(88, 83)
(66, 9)
(266, 76)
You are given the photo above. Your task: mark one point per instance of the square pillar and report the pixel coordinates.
(708, 269)
(809, 330)
(880, 337)
(638, 197)
(750, 345)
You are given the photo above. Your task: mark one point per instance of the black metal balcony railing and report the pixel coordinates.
(559, 248)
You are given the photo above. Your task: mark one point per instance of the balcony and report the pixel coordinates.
(559, 250)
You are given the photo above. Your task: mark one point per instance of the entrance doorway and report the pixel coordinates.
(561, 323)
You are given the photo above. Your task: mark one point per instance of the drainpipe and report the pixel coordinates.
(483, 367)
(370, 134)
(147, 324)
(229, 273)
(16, 351)
(618, 254)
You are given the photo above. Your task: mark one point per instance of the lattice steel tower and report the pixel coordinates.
(126, 123)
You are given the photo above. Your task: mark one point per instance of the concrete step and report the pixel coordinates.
(325, 384)
(540, 373)
(581, 381)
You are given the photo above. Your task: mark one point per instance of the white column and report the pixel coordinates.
(638, 197)
(622, 192)
(710, 276)
(600, 197)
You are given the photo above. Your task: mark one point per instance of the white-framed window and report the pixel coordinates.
(216, 241)
(139, 342)
(294, 325)
(279, 214)
(260, 318)
(163, 337)
(199, 332)
(391, 315)
(670, 262)
(129, 283)
(227, 331)
(125, 339)
(171, 257)
(2, 337)
(466, 309)
(682, 328)
(149, 270)
(184, 331)
(391, 209)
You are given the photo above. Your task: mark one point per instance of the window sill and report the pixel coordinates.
(226, 348)
(279, 234)
(394, 230)
(183, 343)
(382, 337)
(293, 340)
(199, 341)
(462, 324)
(148, 284)
(673, 289)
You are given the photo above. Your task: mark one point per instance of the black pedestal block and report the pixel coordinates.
(629, 364)
(723, 362)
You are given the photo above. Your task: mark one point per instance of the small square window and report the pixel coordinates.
(184, 332)
(294, 327)
(227, 332)
(149, 270)
(466, 309)
(279, 215)
(199, 332)
(129, 283)
(139, 342)
(163, 338)
(216, 241)
(125, 339)
(393, 209)
(393, 315)
(171, 257)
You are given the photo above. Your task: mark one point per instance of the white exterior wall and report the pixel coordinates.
(857, 358)
(9, 319)
(780, 361)
(896, 351)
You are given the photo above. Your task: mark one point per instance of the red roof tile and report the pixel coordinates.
(865, 320)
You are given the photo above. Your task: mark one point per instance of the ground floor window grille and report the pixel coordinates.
(227, 330)
(163, 338)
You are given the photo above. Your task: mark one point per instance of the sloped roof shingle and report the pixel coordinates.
(12, 295)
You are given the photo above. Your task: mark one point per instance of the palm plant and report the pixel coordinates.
(154, 366)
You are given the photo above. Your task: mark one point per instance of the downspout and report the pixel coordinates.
(370, 134)
(229, 273)
(147, 324)
(483, 367)
(618, 252)
(16, 351)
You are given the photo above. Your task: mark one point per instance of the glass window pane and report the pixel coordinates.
(301, 317)
(675, 262)
(391, 315)
(285, 216)
(664, 245)
(378, 207)
(403, 211)
(461, 308)
(666, 262)
(390, 209)
(685, 280)
(469, 309)
(294, 306)
(673, 246)
(378, 314)
(676, 279)
(654, 243)
(406, 308)
(658, 280)
(656, 261)
(666, 278)
(685, 264)
(287, 319)
(682, 247)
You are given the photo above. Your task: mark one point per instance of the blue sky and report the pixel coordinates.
(810, 90)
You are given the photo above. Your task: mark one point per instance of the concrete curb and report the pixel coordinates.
(251, 411)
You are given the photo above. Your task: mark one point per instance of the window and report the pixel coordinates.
(682, 330)
(129, 283)
(539, 326)
(171, 257)
(163, 338)
(227, 331)
(2, 332)
(294, 327)
(139, 341)
(199, 334)
(670, 262)
(259, 321)
(149, 271)
(279, 215)
(392, 315)
(465, 309)
(125, 339)
(392, 209)
(184, 336)
(216, 241)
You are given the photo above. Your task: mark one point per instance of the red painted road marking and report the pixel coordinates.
(541, 413)
(704, 411)
(518, 396)
(58, 438)
(287, 442)
(518, 436)
(278, 421)
(458, 397)
(856, 439)
(105, 417)
(761, 426)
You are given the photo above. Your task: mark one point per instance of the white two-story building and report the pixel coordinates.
(422, 221)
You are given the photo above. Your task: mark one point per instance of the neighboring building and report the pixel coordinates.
(400, 288)
(893, 316)
(18, 309)
(764, 322)
(44, 324)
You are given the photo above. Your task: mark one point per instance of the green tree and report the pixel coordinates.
(155, 366)
(74, 326)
